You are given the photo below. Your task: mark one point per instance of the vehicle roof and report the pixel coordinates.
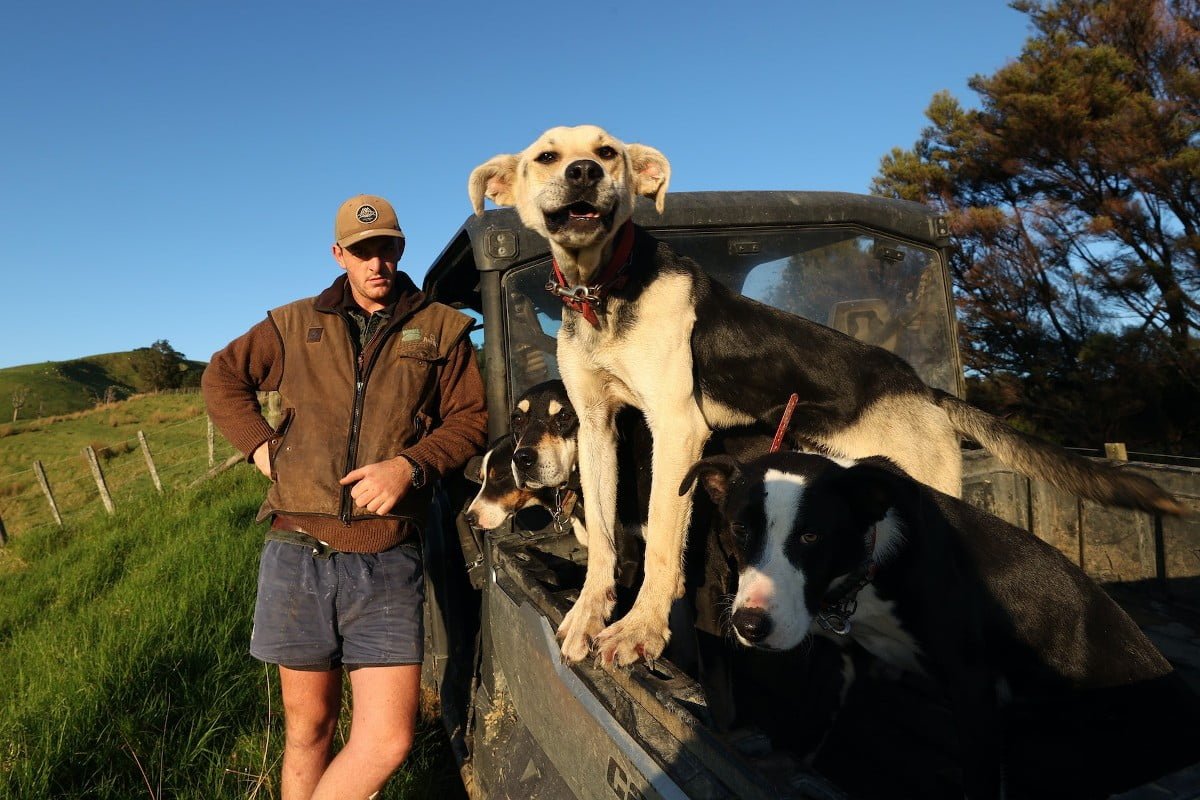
(502, 241)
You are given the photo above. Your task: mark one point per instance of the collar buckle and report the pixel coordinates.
(840, 604)
(836, 618)
(579, 294)
(563, 507)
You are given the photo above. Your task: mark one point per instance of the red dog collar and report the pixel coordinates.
(588, 300)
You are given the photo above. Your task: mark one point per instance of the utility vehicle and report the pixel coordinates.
(524, 725)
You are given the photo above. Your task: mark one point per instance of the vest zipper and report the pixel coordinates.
(362, 369)
(355, 427)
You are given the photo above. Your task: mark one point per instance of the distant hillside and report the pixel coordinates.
(63, 387)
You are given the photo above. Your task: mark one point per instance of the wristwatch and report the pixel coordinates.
(418, 472)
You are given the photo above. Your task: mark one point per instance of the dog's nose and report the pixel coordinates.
(584, 172)
(752, 624)
(525, 457)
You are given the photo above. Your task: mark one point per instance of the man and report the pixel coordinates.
(381, 397)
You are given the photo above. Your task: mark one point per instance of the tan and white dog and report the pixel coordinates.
(645, 327)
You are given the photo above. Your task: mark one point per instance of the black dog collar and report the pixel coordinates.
(839, 605)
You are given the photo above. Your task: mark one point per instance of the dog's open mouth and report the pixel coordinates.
(579, 216)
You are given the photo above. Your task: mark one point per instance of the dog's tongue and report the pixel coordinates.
(582, 212)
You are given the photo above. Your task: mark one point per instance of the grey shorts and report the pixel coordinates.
(355, 609)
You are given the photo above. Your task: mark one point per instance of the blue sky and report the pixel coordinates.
(170, 170)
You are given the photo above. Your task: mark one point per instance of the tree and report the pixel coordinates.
(161, 365)
(19, 396)
(110, 396)
(1073, 194)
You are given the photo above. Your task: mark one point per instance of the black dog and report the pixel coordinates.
(1012, 631)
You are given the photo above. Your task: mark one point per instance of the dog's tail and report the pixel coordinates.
(1036, 458)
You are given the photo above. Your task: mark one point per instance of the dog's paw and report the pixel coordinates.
(581, 624)
(633, 637)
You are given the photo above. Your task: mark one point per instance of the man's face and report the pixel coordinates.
(371, 269)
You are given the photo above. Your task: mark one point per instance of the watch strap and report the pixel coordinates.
(418, 472)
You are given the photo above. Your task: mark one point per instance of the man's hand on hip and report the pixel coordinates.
(262, 459)
(378, 487)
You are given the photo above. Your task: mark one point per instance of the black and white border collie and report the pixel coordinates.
(998, 618)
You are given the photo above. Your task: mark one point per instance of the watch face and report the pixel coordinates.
(418, 474)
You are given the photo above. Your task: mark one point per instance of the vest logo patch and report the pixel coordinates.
(410, 335)
(314, 334)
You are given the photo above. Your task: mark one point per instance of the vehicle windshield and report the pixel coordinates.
(878, 289)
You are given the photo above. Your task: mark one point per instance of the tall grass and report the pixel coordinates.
(124, 670)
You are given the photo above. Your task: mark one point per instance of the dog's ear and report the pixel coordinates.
(473, 471)
(651, 173)
(494, 180)
(869, 492)
(716, 474)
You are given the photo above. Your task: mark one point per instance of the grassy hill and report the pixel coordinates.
(64, 387)
(123, 646)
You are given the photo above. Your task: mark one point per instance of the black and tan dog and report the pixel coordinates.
(534, 466)
(501, 495)
(1003, 622)
(644, 327)
(545, 429)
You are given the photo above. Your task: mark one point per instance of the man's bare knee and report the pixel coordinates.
(309, 734)
(395, 750)
(311, 706)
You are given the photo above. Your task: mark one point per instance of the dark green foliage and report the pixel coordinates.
(160, 365)
(1073, 194)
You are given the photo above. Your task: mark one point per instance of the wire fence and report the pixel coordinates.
(1146, 458)
(58, 489)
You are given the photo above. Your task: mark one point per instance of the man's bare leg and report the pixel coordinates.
(382, 725)
(311, 704)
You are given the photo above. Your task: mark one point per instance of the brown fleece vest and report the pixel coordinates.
(343, 411)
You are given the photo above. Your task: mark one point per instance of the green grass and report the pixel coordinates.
(124, 670)
(64, 387)
(174, 425)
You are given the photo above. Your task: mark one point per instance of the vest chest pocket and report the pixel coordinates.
(402, 395)
(425, 351)
(414, 365)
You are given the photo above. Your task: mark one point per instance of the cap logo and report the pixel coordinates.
(367, 214)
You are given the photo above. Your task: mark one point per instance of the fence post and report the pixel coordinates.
(149, 461)
(98, 474)
(1116, 451)
(40, 471)
(212, 444)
